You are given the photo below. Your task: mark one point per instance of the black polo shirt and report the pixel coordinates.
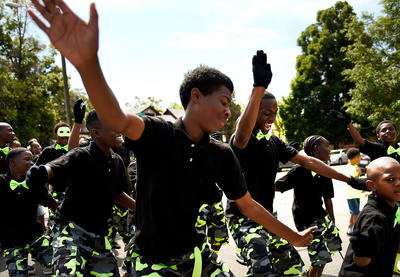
(50, 153)
(260, 162)
(174, 176)
(18, 210)
(95, 180)
(373, 236)
(376, 150)
(3, 165)
(308, 193)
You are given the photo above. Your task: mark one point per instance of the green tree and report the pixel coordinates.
(142, 103)
(376, 55)
(229, 127)
(319, 84)
(31, 87)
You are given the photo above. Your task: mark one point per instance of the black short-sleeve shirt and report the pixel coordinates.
(18, 210)
(376, 150)
(375, 237)
(174, 176)
(95, 180)
(260, 161)
(50, 153)
(3, 165)
(308, 193)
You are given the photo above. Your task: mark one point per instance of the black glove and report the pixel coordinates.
(340, 115)
(358, 183)
(37, 177)
(262, 73)
(79, 112)
(295, 145)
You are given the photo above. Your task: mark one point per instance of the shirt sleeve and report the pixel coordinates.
(367, 237)
(232, 182)
(64, 165)
(373, 149)
(286, 152)
(155, 132)
(43, 158)
(327, 187)
(288, 181)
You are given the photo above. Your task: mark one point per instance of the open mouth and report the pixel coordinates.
(118, 139)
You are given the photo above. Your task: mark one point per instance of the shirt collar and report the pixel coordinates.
(382, 205)
(178, 124)
(97, 153)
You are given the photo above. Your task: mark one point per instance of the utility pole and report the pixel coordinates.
(66, 91)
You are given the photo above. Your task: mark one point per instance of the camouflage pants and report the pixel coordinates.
(119, 223)
(212, 220)
(264, 253)
(201, 262)
(326, 241)
(81, 253)
(58, 197)
(17, 258)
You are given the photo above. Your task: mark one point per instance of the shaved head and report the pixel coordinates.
(379, 166)
(3, 125)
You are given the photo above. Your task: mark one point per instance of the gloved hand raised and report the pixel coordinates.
(340, 115)
(37, 176)
(262, 73)
(79, 111)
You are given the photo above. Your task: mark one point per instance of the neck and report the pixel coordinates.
(17, 176)
(192, 128)
(104, 148)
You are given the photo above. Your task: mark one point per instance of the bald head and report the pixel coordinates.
(4, 125)
(6, 133)
(379, 166)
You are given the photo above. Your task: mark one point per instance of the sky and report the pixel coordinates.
(146, 46)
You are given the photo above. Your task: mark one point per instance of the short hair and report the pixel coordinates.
(206, 79)
(14, 153)
(60, 124)
(312, 141)
(31, 141)
(378, 128)
(352, 153)
(92, 120)
(268, 95)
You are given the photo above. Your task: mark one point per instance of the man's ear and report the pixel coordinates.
(94, 133)
(195, 95)
(371, 185)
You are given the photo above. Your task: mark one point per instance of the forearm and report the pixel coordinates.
(355, 134)
(73, 140)
(101, 96)
(125, 200)
(259, 214)
(248, 119)
(320, 167)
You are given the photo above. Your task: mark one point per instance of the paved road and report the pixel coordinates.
(283, 204)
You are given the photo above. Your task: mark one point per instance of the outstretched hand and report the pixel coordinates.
(306, 238)
(262, 73)
(73, 37)
(340, 115)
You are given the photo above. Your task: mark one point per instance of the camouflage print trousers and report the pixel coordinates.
(119, 223)
(264, 253)
(17, 258)
(212, 220)
(81, 253)
(201, 262)
(326, 241)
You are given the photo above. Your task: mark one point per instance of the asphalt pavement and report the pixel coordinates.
(283, 205)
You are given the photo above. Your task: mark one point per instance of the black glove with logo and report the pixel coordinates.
(37, 176)
(262, 73)
(79, 111)
(358, 183)
(340, 115)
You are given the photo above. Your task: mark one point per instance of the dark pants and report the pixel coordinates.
(264, 253)
(81, 253)
(17, 258)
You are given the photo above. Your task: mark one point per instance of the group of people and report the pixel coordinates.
(180, 173)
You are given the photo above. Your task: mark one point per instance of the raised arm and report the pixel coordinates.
(344, 117)
(79, 114)
(78, 42)
(262, 77)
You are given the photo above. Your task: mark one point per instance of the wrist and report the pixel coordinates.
(88, 65)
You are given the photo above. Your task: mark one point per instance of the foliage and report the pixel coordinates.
(319, 85)
(143, 103)
(31, 85)
(376, 55)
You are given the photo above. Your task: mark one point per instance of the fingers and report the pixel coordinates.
(51, 8)
(94, 17)
(61, 4)
(38, 22)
